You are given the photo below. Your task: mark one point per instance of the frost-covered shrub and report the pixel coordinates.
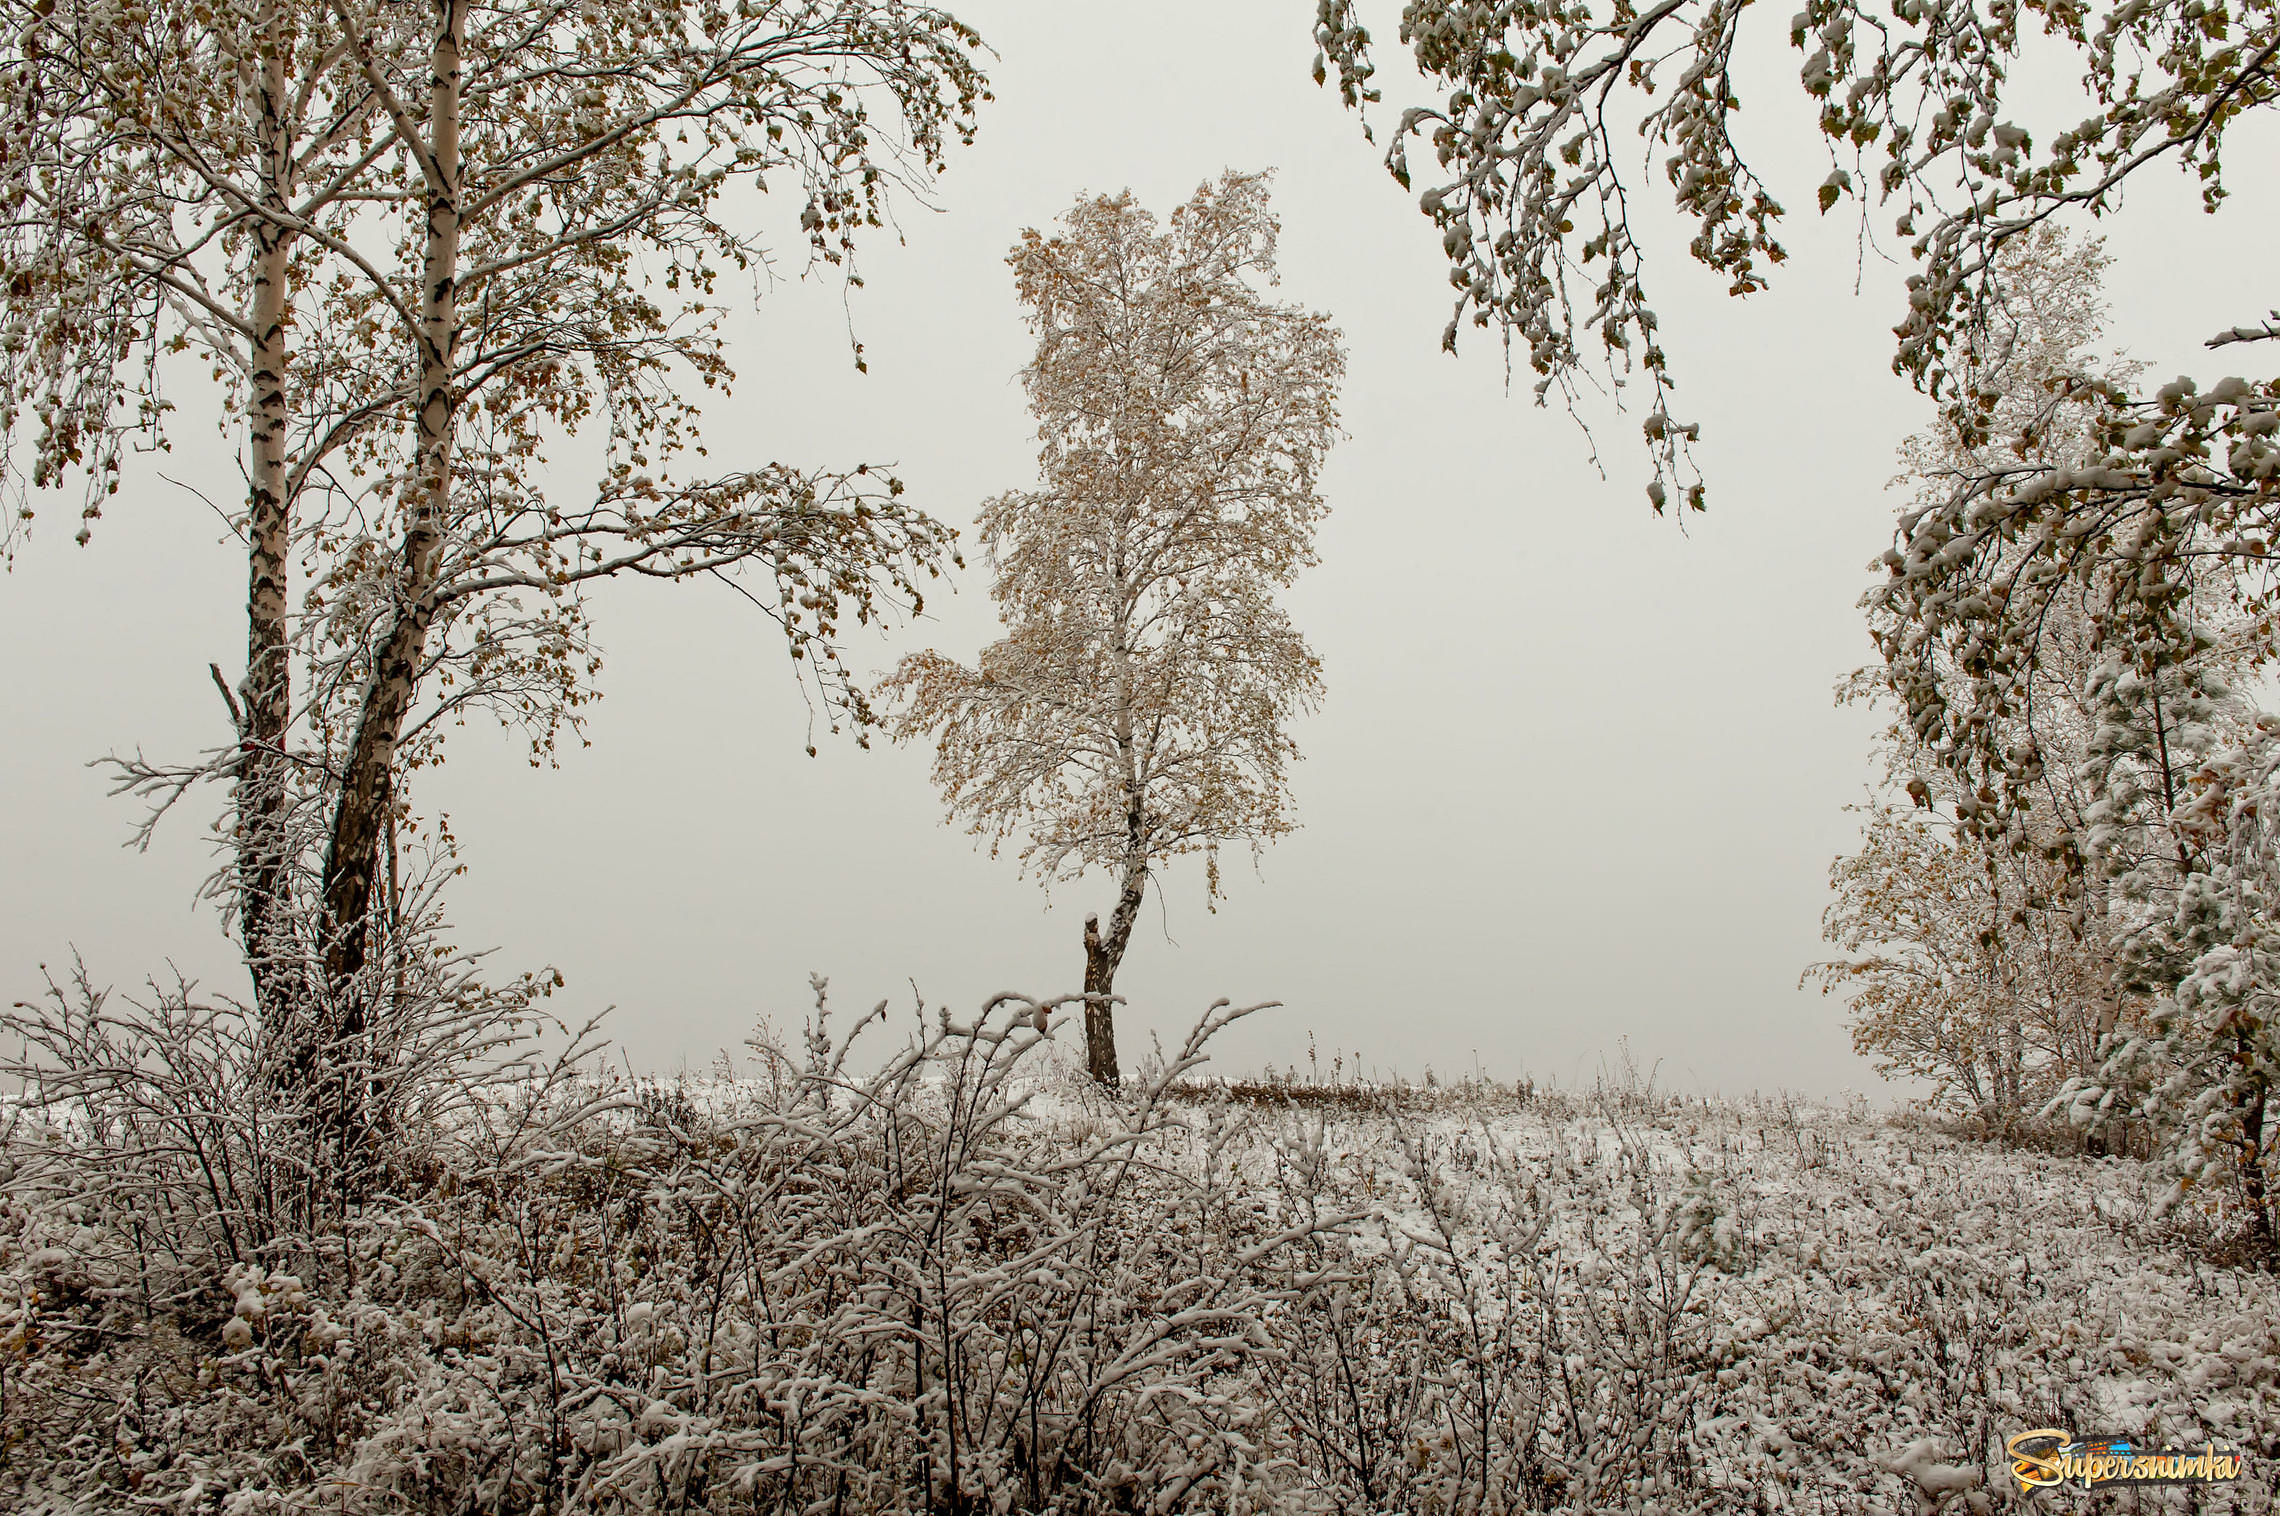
(1456, 1357)
(884, 1292)
(186, 1306)
(2202, 1070)
(1705, 1230)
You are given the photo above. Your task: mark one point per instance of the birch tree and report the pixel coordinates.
(1138, 707)
(175, 179)
(563, 167)
(417, 241)
(1993, 974)
(1991, 959)
(2075, 917)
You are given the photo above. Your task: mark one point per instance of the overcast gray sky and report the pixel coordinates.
(1579, 777)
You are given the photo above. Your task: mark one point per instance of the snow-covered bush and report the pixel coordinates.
(2204, 1068)
(1705, 1229)
(870, 1293)
(185, 1285)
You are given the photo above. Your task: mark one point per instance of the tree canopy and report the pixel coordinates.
(1137, 708)
(1525, 161)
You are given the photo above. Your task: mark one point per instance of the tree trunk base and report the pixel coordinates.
(1100, 1014)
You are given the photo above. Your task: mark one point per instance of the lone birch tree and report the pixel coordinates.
(1137, 707)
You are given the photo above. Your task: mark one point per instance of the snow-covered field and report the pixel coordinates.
(1876, 1303)
(969, 1283)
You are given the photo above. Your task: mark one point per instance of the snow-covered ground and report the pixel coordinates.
(971, 1282)
(1875, 1304)
(1883, 1303)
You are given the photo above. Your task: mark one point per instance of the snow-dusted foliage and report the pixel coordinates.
(1530, 174)
(1137, 707)
(1979, 958)
(2066, 920)
(967, 1280)
(883, 1292)
(2204, 1065)
(1975, 969)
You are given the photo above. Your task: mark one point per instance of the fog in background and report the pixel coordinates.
(1579, 776)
